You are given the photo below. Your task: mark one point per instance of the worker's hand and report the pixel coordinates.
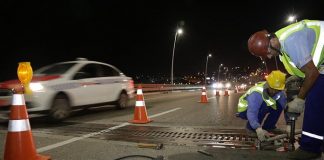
(296, 106)
(262, 134)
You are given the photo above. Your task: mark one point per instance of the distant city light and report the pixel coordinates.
(218, 85)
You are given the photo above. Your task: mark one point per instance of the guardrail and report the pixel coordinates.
(166, 87)
(169, 87)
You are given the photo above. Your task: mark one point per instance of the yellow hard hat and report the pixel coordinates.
(276, 80)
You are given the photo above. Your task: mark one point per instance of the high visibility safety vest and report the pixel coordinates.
(259, 88)
(317, 51)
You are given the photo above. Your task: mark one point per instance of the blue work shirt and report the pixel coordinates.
(254, 104)
(299, 46)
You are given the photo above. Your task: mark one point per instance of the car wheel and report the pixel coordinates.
(122, 101)
(60, 108)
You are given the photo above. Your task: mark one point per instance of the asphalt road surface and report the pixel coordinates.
(187, 129)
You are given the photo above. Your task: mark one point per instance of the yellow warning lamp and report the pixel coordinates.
(25, 75)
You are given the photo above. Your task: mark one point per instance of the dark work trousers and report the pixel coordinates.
(270, 122)
(313, 124)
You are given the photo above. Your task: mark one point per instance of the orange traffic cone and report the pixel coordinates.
(226, 93)
(217, 93)
(203, 98)
(19, 143)
(140, 114)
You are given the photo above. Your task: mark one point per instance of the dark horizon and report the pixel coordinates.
(137, 37)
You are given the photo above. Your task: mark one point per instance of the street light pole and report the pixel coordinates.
(219, 72)
(209, 55)
(179, 31)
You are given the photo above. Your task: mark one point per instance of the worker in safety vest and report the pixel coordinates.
(262, 99)
(300, 48)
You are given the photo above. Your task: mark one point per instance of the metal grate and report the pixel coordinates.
(194, 136)
(225, 138)
(233, 138)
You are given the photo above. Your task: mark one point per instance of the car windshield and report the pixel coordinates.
(55, 69)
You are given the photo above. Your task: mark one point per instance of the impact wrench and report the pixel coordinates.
(292, 120)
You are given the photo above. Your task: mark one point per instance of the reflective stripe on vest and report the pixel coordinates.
(259, 88)
(317, 51)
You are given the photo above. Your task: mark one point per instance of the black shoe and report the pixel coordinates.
(300, 154)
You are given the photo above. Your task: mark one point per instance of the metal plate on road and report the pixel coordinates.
(221, 138)
(184, 136)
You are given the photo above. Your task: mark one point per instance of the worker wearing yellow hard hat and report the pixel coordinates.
(276, 80)
(300, 49)
(262, 99)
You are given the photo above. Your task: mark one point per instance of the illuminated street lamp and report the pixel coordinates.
(178, 32)
(219, 71)
(209, 55)
(292, 19)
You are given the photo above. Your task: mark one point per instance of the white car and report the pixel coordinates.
(59, 88)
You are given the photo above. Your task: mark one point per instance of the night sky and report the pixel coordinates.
(137, 36)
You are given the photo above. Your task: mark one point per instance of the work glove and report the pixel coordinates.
(262, 134)
(296, 106)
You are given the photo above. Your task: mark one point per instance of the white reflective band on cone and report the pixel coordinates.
(18, 99)
(140, 104)
(312, 135)
(203, 93)
(18, 125)
(139, 91)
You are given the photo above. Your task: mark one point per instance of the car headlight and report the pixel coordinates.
(218, 85)
(227, 85)
(36, 87)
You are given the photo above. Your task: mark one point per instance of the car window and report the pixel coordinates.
(87, 71)
(107, 71)
(55, 69)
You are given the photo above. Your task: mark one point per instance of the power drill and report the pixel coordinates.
(293, 85)
(292, 122)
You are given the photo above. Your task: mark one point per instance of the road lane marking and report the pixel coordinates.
(56, 145)
(211, 97)
(160, 114)
(49, 147)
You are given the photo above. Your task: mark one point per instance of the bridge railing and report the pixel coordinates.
(166, 87)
